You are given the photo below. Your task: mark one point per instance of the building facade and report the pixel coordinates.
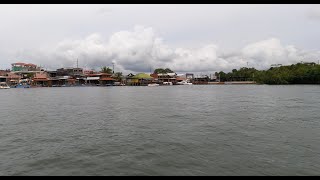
(24, 67)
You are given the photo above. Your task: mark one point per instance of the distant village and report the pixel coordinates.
(26, 75)
(30, 75)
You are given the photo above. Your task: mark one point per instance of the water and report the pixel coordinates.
(179, 130)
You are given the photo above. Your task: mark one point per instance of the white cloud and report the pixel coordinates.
(264, 53)
(140, 49)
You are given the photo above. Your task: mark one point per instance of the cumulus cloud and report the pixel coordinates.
(142, 49)
(271, 51)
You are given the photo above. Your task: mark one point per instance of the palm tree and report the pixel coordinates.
(118, 76)
(106, 70)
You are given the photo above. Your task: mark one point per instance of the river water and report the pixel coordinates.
(173, 130)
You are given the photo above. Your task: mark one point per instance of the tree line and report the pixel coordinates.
(301, 73)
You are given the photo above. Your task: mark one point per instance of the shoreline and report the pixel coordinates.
(217, 84)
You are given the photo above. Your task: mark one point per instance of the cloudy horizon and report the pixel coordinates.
(137, 38)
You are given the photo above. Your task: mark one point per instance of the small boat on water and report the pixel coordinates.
(22, 86)
(184, 83)
(4, 86)
(153, 85)
(168, 83)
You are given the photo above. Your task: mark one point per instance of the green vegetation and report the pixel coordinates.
(106, 70)
(243, 74)
(307, 73)
(118, 76)
(162, 71)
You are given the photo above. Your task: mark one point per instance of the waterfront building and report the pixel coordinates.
(141, 79)
(66, 81)
(3, 79)
(25, 67)
(181, 79)
(167, 77)
(101, 79)
(41, 79)
(22, 73)
(70, 76)
(13, 79)
(3, 75)
(201, 80)
(129, 79)
(70, 72)
(4, 72)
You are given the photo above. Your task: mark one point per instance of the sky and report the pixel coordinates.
(136, 38)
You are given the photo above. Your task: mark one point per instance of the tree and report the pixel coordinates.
(106, 70)
(163, 71)
(167, 70)
(223, 76)
(118, 76)
(307, 73)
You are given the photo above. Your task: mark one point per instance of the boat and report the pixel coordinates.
(184, 83)
(168, 83)
(22, 84)
(153, 85)
(4, 85)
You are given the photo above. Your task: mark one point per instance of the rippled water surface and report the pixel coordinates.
(178, 130)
